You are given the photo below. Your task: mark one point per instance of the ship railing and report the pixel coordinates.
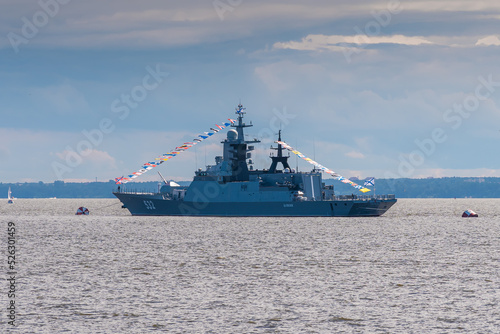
(135, 191)
(363, 197)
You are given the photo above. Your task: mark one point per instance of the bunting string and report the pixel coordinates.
(173, 153)
(323, 168)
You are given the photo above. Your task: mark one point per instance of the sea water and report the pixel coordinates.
(420, 268)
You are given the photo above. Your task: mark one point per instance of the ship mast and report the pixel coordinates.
(238, 148)
(240, 111)
(279, 158)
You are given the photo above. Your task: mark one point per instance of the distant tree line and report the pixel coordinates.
(448, 187)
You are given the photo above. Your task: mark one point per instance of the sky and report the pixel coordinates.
(387, 89)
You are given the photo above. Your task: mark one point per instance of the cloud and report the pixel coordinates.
(286, 75)
(451, 6)
(170, 23)
(92, 156)
(64, 98)
(343, 43)
(355, 155)
(27, 153)
(99, 157)
(70, 180)
(487, 41)
(350, 44)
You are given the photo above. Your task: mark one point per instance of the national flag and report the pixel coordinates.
(369, 182)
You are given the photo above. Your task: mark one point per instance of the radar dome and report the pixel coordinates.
(232, 135)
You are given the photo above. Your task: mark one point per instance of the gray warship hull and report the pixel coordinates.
(156, 205)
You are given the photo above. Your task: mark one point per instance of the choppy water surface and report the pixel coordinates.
(420, 268)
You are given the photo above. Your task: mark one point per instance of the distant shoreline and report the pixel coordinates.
(446, 187)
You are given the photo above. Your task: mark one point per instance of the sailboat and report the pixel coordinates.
(9, 196)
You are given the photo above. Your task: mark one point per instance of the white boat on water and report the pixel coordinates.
(9, 197)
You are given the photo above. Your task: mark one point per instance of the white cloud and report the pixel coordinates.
(92, 156)
(343, 43)
(354, 44)
(355, 155)
(99, 157)
(487, 41)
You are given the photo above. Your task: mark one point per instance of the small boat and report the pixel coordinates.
(9, 197)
